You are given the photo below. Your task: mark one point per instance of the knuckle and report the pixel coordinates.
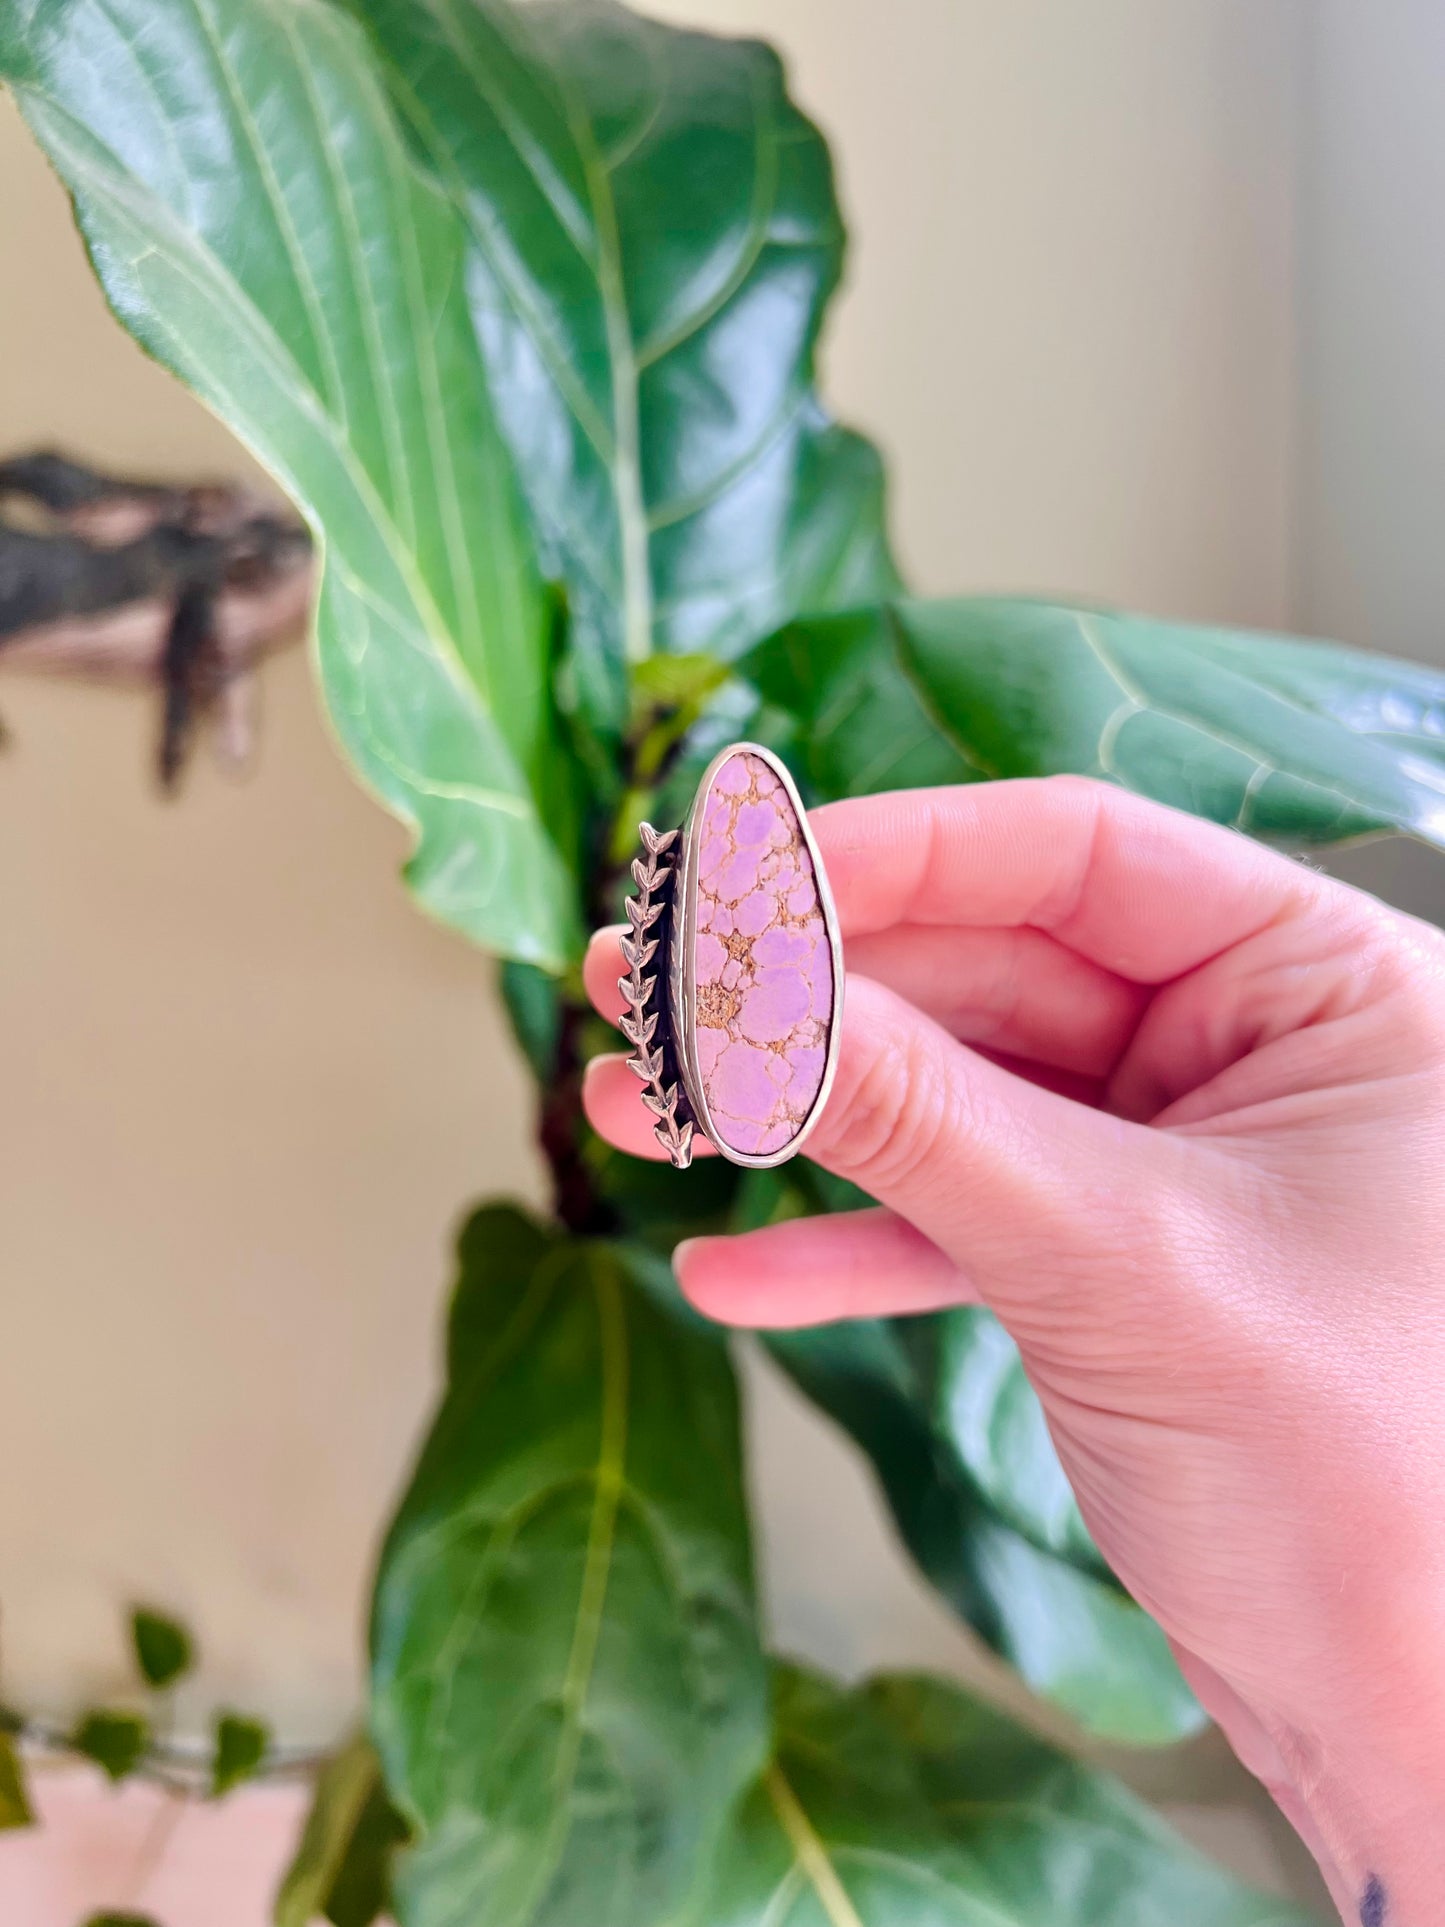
(1400, 964)
(900, 1114)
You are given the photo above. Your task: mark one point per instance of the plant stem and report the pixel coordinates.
(181, 1768)
(562, 1128)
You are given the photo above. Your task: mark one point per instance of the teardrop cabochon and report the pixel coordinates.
(756, 981)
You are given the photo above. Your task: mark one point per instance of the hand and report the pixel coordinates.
(1174, 1107)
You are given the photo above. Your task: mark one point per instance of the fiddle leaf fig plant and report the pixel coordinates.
(520, 303)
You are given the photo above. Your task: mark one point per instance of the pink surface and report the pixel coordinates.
(203, 1864)
(764, 971)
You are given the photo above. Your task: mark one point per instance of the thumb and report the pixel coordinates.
(1019, 1186)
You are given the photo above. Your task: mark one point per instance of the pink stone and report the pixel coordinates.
(755, 913)
(737, 878)
(762, 962)
(743, 1086)
(755, 823)
(710, 1047)
(713, 853)
(711, 953)
(780, 945)
(774, 1005)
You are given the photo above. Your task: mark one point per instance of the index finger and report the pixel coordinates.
(1144, 890)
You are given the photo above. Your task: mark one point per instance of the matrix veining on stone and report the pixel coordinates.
(764, 972)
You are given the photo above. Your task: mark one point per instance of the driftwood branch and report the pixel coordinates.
(181, 589)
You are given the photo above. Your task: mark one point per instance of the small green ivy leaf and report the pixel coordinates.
(116, 1741)
(164, 1649)
(15, 1809)
(241, 1746)
(342, 1867)
(362, 1890)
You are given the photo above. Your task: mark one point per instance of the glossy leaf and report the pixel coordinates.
(240, 1748)
(988, 1418)
(532, 1001)
(496, 1246)
(654, 239)
(116, 1741)
(567, 1690)
(164, 1650)
(257, 223)
(1072, 1633)
(15, 1807)
(342, 1865)
(908, 1804)
(1300, 742)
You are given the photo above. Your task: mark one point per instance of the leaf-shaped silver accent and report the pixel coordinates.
(639, 1023)
(640, 955)
(657, 842)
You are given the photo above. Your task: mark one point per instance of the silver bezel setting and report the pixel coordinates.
(682, 976)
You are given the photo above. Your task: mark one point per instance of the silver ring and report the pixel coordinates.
(734, 984)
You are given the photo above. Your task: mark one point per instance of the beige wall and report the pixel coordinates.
(244, 1089)
(1371, 474)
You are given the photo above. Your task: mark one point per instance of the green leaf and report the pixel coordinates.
(116, 1741)
(241, 1746)
(1300, 742)
(987, 1417)
(122, 1920)
(654, 239)
(567, 1692)
(345, 1849)
(363, 1890)
(908, 1804)
(533, 1003)
(498, 1244)
(862, 724)
(974, 1527)
(654, 1207)
(164, 1649)
(15, 1807)
(257, 223)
